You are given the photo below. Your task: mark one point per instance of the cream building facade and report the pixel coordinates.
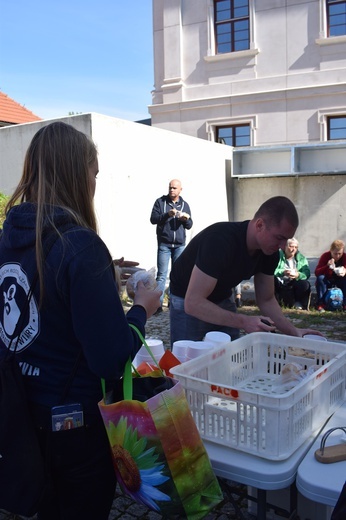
(281, 74)
(267, 77)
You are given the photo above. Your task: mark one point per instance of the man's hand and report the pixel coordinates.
(184, 217)
(258, 324)
(125, 263)
(126, 268)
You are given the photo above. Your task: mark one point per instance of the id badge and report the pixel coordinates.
(67, 417)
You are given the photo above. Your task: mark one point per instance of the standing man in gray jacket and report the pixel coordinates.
(172, 216)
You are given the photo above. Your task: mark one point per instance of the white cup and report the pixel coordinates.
(215, 336)
(198, 348)
(156, 347)
(337, 270)
(180, 349)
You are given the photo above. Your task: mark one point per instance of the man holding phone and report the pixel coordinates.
(172, 216)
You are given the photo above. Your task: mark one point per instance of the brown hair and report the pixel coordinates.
(276, 209)
(56, 174)
(337, 244)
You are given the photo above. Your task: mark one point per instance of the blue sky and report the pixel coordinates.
(61, 56)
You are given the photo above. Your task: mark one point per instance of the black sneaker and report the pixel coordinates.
(159, 310)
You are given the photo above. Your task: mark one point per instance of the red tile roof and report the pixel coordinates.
(12, 112)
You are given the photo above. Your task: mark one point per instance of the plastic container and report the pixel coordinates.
(157, 348)
(235, 402)
(217, 337)
(180, 349)
(198, 348)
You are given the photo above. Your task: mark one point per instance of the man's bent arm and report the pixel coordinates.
(197, 304)
(268, 305)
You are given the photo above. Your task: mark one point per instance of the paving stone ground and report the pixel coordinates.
(332, 325)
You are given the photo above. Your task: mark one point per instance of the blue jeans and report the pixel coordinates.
(184, 326)
(165, 253)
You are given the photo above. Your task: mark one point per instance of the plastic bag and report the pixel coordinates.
(294, 372)
(147, 277)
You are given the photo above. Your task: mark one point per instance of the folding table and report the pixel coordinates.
(323, 482)
(262, 474)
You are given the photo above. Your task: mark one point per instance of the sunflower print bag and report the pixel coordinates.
(158, 455)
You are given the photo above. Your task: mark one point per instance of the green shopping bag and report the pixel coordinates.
(159, 457)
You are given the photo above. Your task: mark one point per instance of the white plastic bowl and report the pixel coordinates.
(198, 348)
(216, 336)
(156, 346)
(180, 349)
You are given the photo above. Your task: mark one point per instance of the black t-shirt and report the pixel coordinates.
(220, 251)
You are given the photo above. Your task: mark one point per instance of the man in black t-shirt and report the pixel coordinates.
(218, 259)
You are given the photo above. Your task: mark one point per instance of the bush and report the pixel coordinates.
(3, 201)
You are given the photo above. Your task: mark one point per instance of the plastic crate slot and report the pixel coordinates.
(336, 394)
(302, 425)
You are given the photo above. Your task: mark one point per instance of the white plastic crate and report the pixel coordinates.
(236, 401)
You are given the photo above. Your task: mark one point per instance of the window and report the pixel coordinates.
(232, 25)
(336, 17)
(336, 127)
(235, 135)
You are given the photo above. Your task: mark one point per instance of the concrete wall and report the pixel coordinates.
(14, 141)
(320, 201)
(136, 163)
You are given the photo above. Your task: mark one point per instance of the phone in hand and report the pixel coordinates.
(266, 322)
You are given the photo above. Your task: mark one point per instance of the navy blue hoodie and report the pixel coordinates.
(81, 309)
(170, 230)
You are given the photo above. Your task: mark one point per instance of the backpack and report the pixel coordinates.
(333, 299)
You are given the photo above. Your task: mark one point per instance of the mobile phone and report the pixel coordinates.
(67, 417)
(266, 322)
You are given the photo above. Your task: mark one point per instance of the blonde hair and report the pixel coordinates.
(337, 244)
(56, 174)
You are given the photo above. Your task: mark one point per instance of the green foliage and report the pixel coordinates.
(3, 202)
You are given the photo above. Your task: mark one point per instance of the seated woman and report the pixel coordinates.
(292, 287)
(330, 271)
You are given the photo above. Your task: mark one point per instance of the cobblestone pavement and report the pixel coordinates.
(235, 503)
(125, 509)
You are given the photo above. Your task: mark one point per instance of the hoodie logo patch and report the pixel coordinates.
(18, 320)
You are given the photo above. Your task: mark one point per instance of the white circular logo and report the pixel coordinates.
(19, 322)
